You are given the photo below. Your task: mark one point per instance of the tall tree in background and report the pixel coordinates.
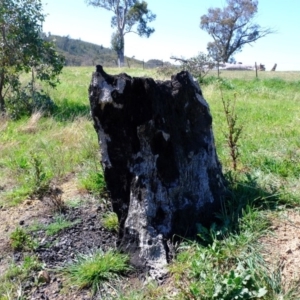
(22, 47)
(129, 16)
(231, 28)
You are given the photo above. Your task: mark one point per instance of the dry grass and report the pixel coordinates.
(74, 134)
(3, 122)
(32, 125)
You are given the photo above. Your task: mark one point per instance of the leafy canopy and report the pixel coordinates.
(22, 47)
(232, 27)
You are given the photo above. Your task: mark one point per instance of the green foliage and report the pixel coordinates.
(20, 240)
(117, 42)
(226, 262)
(229, 266)
(139, 15)
(23, 102)
(93, 270)
(110, 221)
(38, 177)
(238, 284)
(23, 49)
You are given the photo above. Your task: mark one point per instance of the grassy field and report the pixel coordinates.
(227, 261)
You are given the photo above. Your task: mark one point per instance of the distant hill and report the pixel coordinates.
(80, 53)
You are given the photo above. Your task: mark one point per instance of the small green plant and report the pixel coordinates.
(234, 131)
(94, 269)
(38, 176)
(21, 240)
(238, 284)
(110, 221)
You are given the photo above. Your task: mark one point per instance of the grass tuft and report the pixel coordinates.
(21, 240)
(110, 221)
(94, 269)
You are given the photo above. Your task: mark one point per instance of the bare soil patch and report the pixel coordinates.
(282, 247)
(84, 236)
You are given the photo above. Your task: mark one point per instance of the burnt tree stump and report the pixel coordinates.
(159, 160)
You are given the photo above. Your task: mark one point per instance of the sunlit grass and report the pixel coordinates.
(269, 112)
(268, 175)
(62, 148)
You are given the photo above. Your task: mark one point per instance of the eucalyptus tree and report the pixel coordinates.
(128, 16)
(232, 27)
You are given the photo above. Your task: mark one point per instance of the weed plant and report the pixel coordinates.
(234, 131)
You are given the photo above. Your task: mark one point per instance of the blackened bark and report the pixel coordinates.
(159, 160)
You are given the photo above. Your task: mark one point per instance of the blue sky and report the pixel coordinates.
(177, 30)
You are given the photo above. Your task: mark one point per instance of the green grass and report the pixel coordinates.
(16, 274)
(92, 270)
(268, 110)
(110, 221)
(92, 180)
(226, 258)
(59, 223)
(21, 240)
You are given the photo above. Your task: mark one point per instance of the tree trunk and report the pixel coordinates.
(121, 61)
(2, 102)
(159, 161)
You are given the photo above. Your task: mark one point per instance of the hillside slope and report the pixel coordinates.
(80, 53)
